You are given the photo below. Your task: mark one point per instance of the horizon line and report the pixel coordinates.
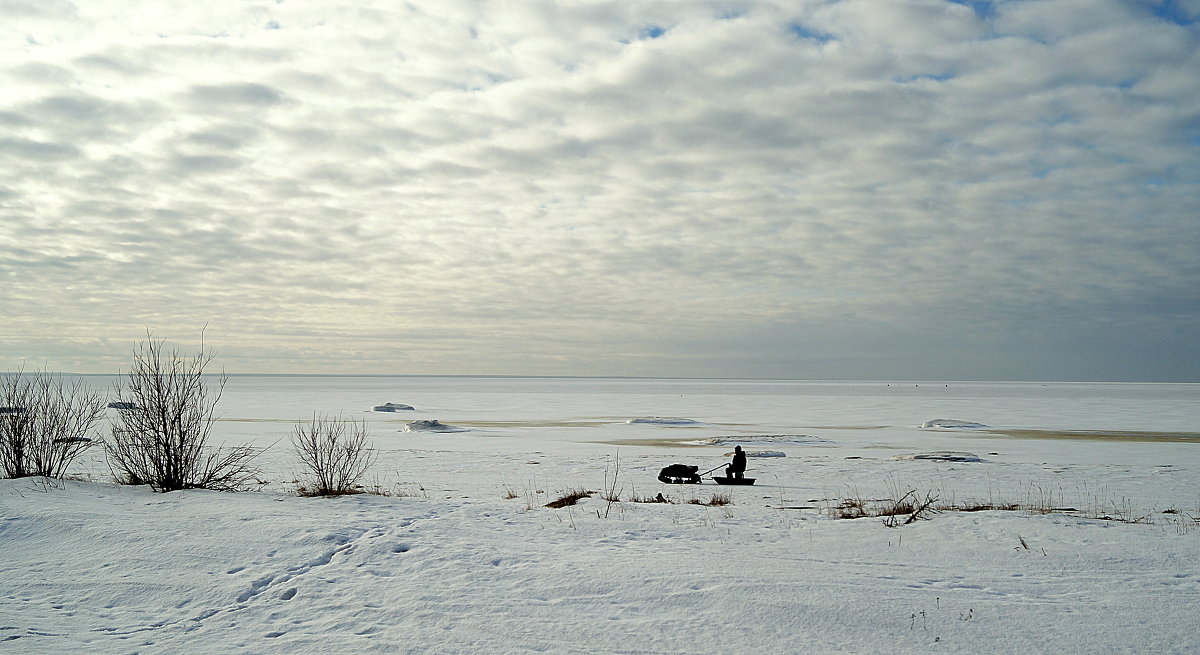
(648, 377)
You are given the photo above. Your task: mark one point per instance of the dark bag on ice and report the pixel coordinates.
(679, 474)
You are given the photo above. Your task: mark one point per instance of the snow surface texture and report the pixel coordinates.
(464, 558)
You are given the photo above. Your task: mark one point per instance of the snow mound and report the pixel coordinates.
(943, 456)
(392, 407)
(664, 420)
(759, 439)
(431, 425)
(951, 424)
(760, 453)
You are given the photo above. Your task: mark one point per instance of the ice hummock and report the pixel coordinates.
(760, 439)
(943, 456)
(664, 420)
(392, 407)
(951, 424)
(431, 425)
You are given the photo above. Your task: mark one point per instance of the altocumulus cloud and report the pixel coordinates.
(864, 188)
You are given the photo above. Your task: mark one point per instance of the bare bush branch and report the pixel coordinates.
(45, 423)
(162, 438)
(334, 454)
(611, 494)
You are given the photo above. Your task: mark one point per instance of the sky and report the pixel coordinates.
(855, 189)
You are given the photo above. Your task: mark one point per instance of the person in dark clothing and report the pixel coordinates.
(738, 466)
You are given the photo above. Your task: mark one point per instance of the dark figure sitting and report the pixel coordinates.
(738, 466)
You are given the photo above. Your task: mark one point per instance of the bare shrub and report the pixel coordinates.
(911, 504)
(45, 423)
(611, 493)
(900, 509)
(334, 454)
(163, 438)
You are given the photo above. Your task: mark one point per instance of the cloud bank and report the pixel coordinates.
(854, 189)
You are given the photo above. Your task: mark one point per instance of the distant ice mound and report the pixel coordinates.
(431, 425)
(943, 456)
(951, 424)
(760, 439)
(760, 453)
(392, 407)
(664, 420)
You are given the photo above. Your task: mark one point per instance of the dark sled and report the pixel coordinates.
(679, 474)
(724, 480)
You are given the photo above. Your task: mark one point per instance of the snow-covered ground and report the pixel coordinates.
(463, 557)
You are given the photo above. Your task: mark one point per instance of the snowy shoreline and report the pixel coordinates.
(1102, 553)
(109, 569)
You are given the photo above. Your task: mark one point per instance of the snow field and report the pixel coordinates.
(107, 569)
(464, 558)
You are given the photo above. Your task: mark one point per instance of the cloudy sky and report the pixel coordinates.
(854, 189)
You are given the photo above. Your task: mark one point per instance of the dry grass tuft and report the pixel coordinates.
(649, 499)
(569, 498)
(718, 499)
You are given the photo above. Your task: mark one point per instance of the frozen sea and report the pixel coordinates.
(1052, 422)
(833, 434)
